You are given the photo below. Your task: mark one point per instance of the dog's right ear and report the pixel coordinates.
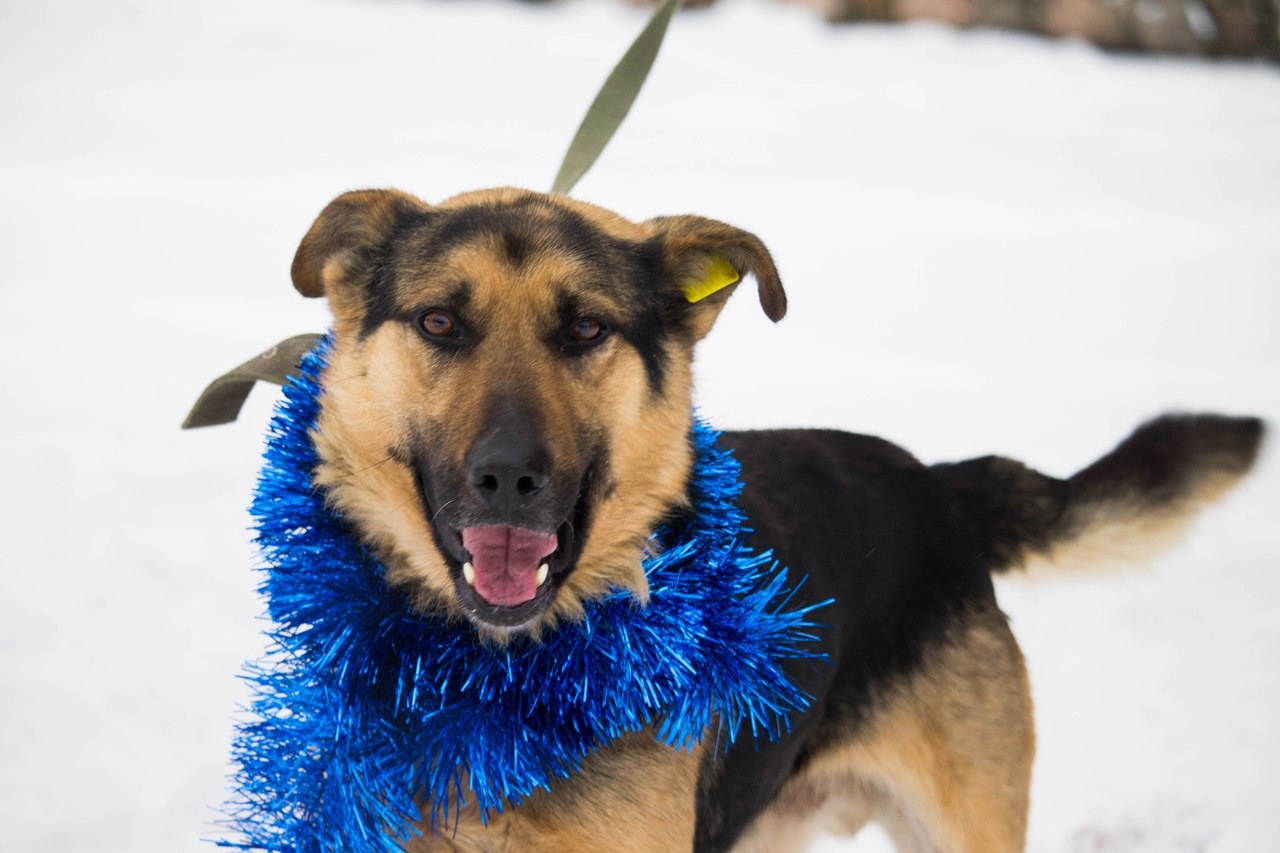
(348, 235)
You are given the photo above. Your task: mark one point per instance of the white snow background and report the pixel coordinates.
(991, 243)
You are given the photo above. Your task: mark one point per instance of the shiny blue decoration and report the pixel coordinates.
(362, 702)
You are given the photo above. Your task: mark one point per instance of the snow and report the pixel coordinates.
(991, 243)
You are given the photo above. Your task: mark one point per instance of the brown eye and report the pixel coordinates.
(585, 330)
(438, 324)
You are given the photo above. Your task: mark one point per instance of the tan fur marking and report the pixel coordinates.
(944, 761)
(633, 796)
(1123, 534)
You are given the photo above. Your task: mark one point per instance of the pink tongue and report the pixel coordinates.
(506, 560)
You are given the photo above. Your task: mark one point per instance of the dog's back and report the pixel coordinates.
(923, 719)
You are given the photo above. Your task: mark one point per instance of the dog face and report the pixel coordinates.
(506, 410)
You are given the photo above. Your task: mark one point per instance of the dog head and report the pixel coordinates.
(507, 405)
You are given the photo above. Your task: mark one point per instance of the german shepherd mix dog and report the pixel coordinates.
(506, 419)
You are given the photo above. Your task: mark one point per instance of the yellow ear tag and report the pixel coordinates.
(718, 276)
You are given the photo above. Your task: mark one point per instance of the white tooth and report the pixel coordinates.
(469, 574)
(543, 571)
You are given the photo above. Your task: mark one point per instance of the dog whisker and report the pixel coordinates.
(440, 510)
(368, 470)
(330, 382)
(397, 508)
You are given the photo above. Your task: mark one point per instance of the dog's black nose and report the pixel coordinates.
(509, 466)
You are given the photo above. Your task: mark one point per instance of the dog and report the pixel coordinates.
(505, 421)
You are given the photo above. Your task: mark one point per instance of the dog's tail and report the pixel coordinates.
(1124, 508)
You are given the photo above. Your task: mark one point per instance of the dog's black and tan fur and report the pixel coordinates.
(512, 359)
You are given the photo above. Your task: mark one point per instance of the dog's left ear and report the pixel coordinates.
(706, 260)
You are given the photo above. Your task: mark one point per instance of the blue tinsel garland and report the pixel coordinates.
(362, 703)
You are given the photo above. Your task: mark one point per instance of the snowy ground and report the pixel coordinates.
(991, 243)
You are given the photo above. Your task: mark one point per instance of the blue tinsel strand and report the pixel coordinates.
(361, 703)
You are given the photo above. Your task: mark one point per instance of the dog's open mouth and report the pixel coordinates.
(506, 576)
(507, 564)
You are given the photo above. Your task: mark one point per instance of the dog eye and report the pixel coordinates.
(586, 330)
(438, 324)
